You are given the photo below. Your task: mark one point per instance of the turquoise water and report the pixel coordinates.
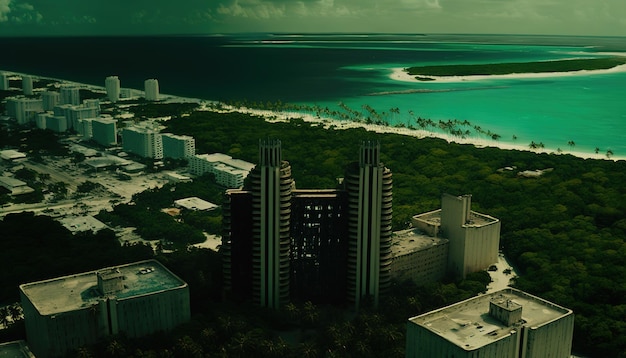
(328, 69)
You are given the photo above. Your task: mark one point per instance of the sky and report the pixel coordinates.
(154, 17)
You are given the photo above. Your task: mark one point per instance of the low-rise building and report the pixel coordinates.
(418, 257)
(136, 299)
(474, 238)
(15, 186)
(228, 172)
(504, 324)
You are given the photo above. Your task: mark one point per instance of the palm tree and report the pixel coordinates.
(609, 153)
(597, 150)
(532, 145)
(571, 143)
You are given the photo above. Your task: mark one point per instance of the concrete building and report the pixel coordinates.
(504, 324)
(4, 81)
(178, 146)
(68, 312)
(92, 103)
(142, 142)
(338, 242)
(474, 238)
(50, 99)
(228, 172)
(194, 203)
(418, 257)
(369, 187)
(104, 131)
(15, 349)
(151, 88)
(112, 86)
(69, 94)
(23, 109)
(56, 123)
(15, 186)
(27, 85)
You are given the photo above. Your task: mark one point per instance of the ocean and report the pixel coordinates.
(338, 71)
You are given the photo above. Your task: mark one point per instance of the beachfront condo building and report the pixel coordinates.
(474, 238)
(50, 100)
(504, 324)
(47, 120)
(27, 85)
(337, 241)
(142, 142)
(74, 114)
(69, 312)
(151, 89)
(228, 172)
(104, 131)
(70, 95)
(92, 103)
(178, 146)
(23, 109)
(112, 86)
(4, 81)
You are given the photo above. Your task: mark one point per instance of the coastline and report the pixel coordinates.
(399, 74)
(335, 124)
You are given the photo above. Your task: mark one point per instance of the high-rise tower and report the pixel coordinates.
(27, 85)
(112, 85)
(151, 89)
(369, 187)
(271, 185)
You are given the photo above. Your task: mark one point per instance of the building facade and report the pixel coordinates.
(112, 86)
(474, 238)
(69, 312)
(69, 95)
(4, 81)
(151, 88)
(24, 109)
(504, 324)
(27, 85)
(142, 142)
(418, 257)
(104, 131)
(50, 99)
(330, 246)
(228, 172)
(178, 146)
(369, 188)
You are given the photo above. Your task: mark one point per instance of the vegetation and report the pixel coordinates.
(145, 213)
(565, 229)
(516, 67)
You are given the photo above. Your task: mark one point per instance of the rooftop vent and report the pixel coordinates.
(505, 310)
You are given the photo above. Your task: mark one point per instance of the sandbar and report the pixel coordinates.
(400, 74)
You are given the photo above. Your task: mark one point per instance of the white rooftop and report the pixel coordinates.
(82, 223)
(412, 240)
(468, 324)
(73, 292)
(227, 160)
(195, 203)
(11, 154)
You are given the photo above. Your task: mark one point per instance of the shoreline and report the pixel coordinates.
(274, 116)
(327, 123)
(399, 74)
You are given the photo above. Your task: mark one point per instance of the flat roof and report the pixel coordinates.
(82, 223)
(476, 219)
(412, 240)
(468, 324)
(227, 160)
(74, 292)
(11, 154)
(195, 203)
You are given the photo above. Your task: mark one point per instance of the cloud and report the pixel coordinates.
(5, 9)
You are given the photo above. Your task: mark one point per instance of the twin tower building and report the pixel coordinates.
(328, 245)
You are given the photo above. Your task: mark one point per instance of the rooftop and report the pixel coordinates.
(80, 291)
(195, 203)
(15, 349)
(227, 160)
(476, 219)
(82, 223)
(469, 325)
(412, 240)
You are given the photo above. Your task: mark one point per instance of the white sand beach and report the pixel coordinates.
(399, 74)
(330, 123)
